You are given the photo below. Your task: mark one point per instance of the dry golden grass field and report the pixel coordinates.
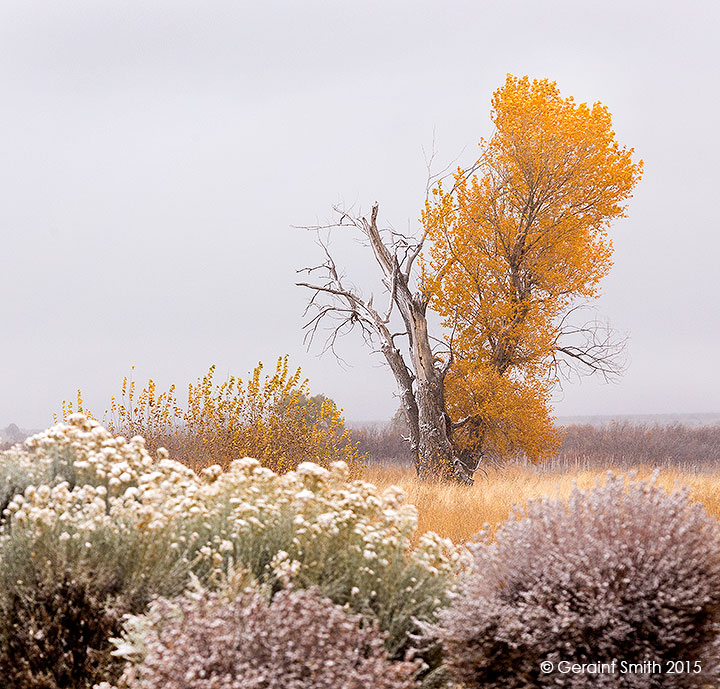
(459, 512)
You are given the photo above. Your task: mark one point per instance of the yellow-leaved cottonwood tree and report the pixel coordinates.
(509, 251)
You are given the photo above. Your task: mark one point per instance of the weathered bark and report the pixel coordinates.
(436, 456)
(422, 383)
(404, 380)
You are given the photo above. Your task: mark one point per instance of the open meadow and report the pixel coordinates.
(460, 512)
(682, 456)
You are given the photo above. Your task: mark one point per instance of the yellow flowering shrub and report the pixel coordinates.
(269, 417)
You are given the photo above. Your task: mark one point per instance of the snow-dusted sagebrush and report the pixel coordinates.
(83, 540)
(300, 640)
(94, 503)
(314, 527)
(625, 572)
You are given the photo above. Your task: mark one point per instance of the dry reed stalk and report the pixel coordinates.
(458, 512)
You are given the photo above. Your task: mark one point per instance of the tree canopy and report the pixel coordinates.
(514, 243)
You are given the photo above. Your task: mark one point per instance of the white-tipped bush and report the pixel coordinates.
(83, 541)
(301, 640)
(98, 503)
(313, 527)
(623, 572)
(94, 503)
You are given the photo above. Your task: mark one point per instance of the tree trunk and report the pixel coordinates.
(436, 457)
(434, 453)
(422, 383)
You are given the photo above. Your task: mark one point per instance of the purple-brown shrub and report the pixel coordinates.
(301, 640)
(623, 572)
(56, 629)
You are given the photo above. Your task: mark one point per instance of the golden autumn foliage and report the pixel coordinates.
(514, 242)
(269, 417)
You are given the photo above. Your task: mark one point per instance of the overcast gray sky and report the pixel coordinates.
(154, 156)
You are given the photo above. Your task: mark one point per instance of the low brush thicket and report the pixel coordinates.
(624, 445)
(623, 572)
(300, 640)
(619, 445)
(97, 508)
(95, 528)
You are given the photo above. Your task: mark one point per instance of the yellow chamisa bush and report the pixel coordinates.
(119, 526)
(269, 417)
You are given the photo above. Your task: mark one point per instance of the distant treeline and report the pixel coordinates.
(11, 435)
(620, 445)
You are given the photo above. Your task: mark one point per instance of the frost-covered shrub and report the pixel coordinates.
(103, 504)
(56, 629)
(314, 527)
(301, 640)
(99, 503)
(89, 542)
(15, 475)
(623, 572)
(79, 452)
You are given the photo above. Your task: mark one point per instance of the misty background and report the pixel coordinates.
(154, 157)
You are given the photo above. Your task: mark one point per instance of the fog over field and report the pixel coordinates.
(156, 155)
